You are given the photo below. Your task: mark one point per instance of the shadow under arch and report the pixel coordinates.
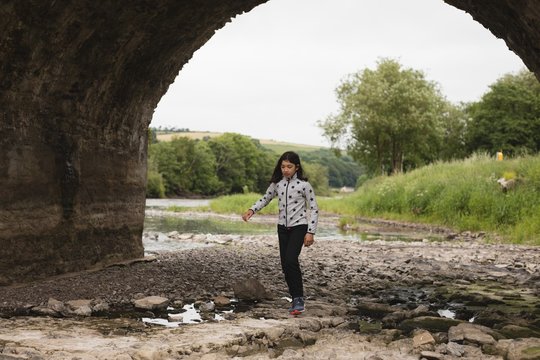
(79, 81)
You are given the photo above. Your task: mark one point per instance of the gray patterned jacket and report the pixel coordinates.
(296, 202)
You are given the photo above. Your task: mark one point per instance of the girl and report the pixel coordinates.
(298, 216)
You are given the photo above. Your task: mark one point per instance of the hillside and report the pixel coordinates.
(277, 146)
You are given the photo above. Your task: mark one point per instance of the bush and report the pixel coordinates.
(155, 188)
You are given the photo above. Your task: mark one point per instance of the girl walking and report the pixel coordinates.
(297, 223)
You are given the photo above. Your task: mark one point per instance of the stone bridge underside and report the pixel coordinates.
(79, 81)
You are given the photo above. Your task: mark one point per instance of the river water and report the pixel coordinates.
(159, 223)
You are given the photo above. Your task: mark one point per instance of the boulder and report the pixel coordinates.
(250, 289)
(472, 333)
(151, 303)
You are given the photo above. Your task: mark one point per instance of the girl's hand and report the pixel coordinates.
(247, 215)
(308, 240)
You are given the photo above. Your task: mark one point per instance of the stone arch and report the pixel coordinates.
(79, 81)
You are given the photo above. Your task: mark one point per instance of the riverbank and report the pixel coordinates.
(365, 300)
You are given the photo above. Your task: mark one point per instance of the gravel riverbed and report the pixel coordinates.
(453, 299)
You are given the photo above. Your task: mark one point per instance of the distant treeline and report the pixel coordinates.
(233, 163)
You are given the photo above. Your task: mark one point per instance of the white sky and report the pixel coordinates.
(271, 73)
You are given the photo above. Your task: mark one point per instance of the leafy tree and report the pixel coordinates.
(318, 178)
(186, 166)
(205, 180)
(240, 163)
(155, 188)
(387, 116)
(342, 170)
(507, 117)
(453, 132)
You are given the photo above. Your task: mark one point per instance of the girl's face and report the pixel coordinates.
(288, 168)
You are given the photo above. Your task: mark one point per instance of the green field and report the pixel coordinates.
(277, 146)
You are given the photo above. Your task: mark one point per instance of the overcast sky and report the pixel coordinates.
(271, 73)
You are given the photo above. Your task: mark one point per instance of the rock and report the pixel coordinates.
(515, 332)
(44, 311)
(431, 355)
(466, 332)
(393, 319)
(423, 338)
(430, 323)
(375, 309)
(369, 327)
(100, 306)
(175, 317)
(524, 349)
(151, 303)
(56, 305)
(222, 301)
(313, 325)
(15, 351)
(250, 289)
(79, 307)
(455, 349)
(207, 307)
(274, 333)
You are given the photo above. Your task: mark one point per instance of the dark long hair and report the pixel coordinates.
(293, 158)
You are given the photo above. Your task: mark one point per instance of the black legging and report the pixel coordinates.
(291, 241)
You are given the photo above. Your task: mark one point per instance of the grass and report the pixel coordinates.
(463, 195)
(238, 204)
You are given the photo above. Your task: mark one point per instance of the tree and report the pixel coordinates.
(453, 132)
(187, 166)
(342, 169)
(241, 162)
(318, 177)
(507, 117)
(387, 116)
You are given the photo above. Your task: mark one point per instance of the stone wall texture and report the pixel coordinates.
(79, 81)
(517, 22)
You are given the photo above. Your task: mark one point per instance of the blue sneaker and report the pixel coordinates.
(297, 306)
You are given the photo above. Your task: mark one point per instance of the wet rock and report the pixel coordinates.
(151, 303)
(175, 317)
(393, 319)
(471, 333)
(367, 327)
(206, 307)
(250, 289)
(44, 311)
(430, 323)
(524, 349)
(515, 332)
(375, 309)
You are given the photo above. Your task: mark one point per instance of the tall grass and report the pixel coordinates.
(463, 194)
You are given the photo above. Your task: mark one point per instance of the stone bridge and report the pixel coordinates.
(79, 81)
